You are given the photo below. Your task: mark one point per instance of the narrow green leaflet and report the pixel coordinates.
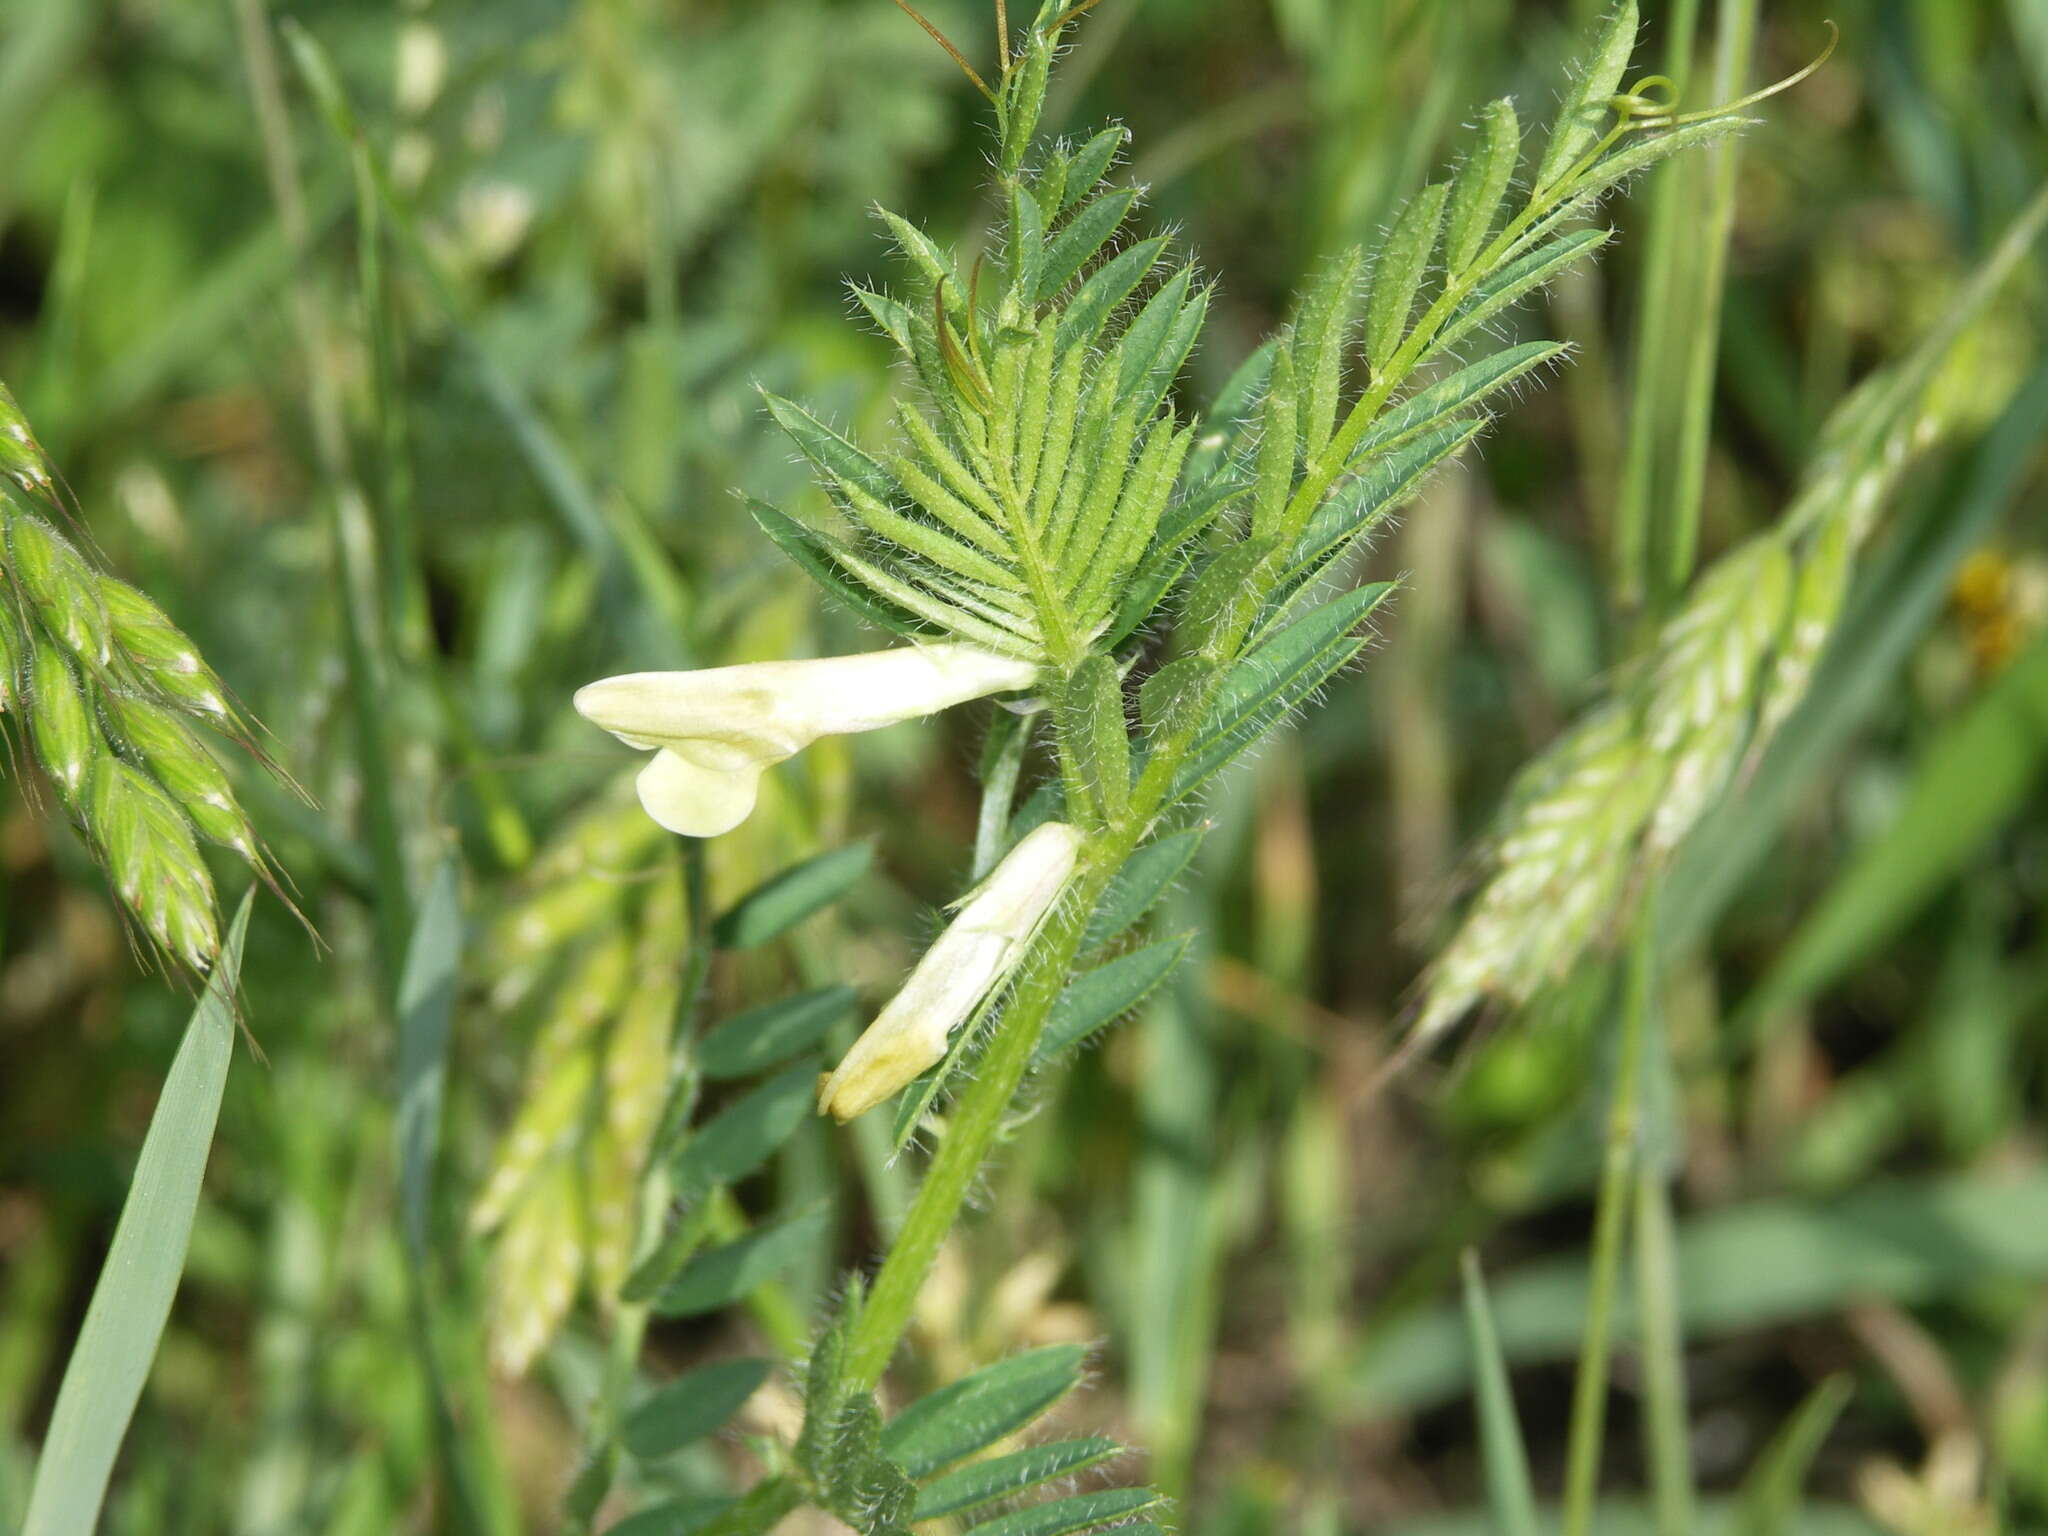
(673, 1517)
(690, 1407)
(1398, 275)
(1101, 996)
(1145, 877)
(1481, 184)
(1062, 1517)
(781, 902)
(745, 1134)
(1455, 395)
(763, 1037)
(822, 559)
(1091, 163)
(1518, 279)
(957, 1420)
(1084, 234)
(1096, 300)
(1586, 115)
(983, 1482)
(1360, 503)
(132, 1300)
(724, 1275)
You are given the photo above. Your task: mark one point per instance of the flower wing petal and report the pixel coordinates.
(697, 801)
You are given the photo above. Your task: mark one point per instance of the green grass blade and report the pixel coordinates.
(1770, 1494)
(132, 1300)
(1508, 1490)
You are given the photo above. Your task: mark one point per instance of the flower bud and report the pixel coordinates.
(973, 957)
(715, 730)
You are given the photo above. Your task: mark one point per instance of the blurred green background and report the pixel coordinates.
(621, 216)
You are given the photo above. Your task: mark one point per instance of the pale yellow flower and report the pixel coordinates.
(715, 730)
(974, 956)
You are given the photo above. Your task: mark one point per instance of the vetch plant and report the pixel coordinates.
(1049, 520)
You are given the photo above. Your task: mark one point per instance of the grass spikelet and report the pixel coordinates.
(591, 953)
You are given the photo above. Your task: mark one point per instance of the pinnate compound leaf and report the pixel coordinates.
(784, 900)
(724, 1275)
(983, 1482)
(762, 1037)
(690, 1407)
(978, 1410)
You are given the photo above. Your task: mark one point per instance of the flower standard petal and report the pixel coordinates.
(974, 956)
(730, 722)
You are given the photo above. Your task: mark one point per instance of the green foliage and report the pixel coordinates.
(535, 289)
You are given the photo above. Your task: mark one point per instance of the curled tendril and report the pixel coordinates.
(1651, 96)
(1638, 109)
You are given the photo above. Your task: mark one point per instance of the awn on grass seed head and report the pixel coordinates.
(714, 731)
